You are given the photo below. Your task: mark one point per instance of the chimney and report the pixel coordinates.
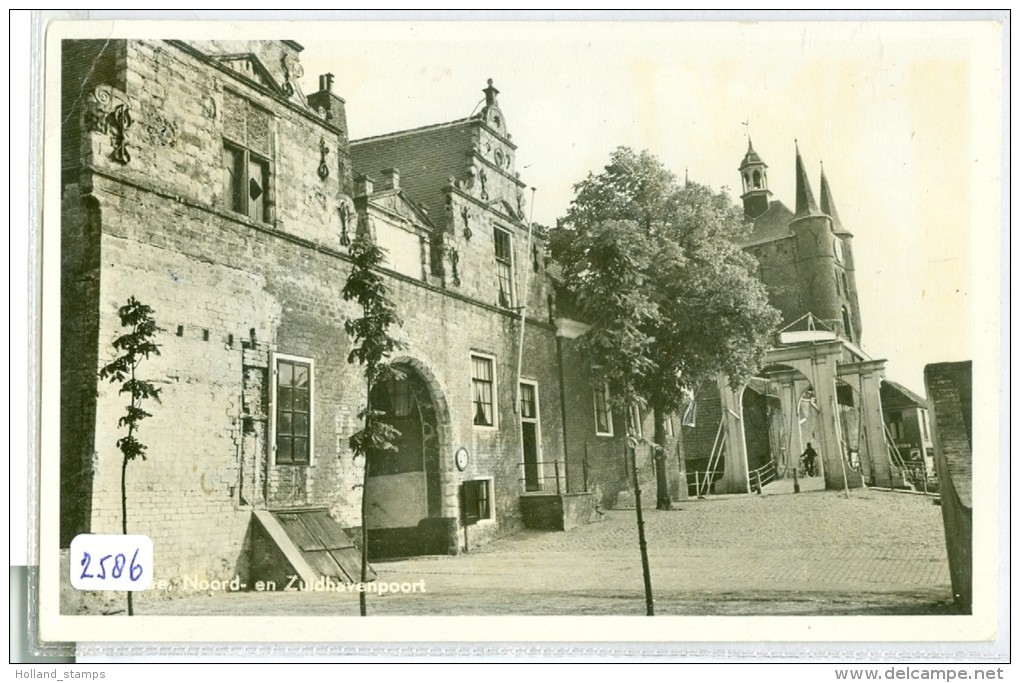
(326, 83)
(391, 179)
(363, 185)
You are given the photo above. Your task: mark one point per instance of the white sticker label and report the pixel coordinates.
(111, 562)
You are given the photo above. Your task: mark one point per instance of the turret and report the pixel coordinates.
(491, 113)
(755, 183)
(843, 249)
(817, 249)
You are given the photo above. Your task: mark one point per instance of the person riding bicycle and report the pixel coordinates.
(809, 457)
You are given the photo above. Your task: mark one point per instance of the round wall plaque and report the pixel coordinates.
(460, 458)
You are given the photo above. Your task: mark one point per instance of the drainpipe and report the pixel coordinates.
(563, 410)
(524, 308)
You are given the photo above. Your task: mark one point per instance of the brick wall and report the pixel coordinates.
(699, 439)
(79, 332)
(817, 270)
(777, 269)
(609, 472)
(948, 387)
(801, 274)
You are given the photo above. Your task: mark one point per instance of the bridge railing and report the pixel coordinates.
(762, 476)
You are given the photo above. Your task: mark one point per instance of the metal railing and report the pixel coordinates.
(536, 475)
(701, 481)
(762, 476)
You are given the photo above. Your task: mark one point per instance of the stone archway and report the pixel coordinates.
(409, 489)
(767, 416)
(818, 364)
(797, 417)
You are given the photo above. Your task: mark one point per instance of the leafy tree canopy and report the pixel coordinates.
(654, 266)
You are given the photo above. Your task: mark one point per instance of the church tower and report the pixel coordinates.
(755, 182)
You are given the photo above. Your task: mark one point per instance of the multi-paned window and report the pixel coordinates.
(247, 155)
(483, 394)
(603, 415)
(401, 399)
(528, 403)
(292, 411)
(504, 267)
(476, 501)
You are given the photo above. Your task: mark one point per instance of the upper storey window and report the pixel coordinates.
(247, 158)
(504, 267)
(483, 389)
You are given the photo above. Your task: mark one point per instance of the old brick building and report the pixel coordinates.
(199, 178)
(817, 385)
(463, 173)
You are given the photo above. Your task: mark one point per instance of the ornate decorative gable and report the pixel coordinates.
(251, 67)
(511, 210)
(396, 203)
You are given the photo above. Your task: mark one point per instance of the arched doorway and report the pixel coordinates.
(776, 416)
(404, 488)
(790, 422)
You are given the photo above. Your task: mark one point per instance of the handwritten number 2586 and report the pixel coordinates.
(119, 562)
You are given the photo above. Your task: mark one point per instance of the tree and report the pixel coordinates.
(605, 269)
(373, 345)
(705, 312)
(134, 346)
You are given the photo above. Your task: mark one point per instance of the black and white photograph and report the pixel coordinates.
(586, 321)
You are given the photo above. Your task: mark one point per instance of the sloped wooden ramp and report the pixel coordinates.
(314, 544)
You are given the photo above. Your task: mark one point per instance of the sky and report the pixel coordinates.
(905, 117)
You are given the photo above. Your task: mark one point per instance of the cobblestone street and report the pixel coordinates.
(814, 553)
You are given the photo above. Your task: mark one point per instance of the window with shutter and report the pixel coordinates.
(247, 155)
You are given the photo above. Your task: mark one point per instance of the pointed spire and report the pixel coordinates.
(828, 205)
(805, 198)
